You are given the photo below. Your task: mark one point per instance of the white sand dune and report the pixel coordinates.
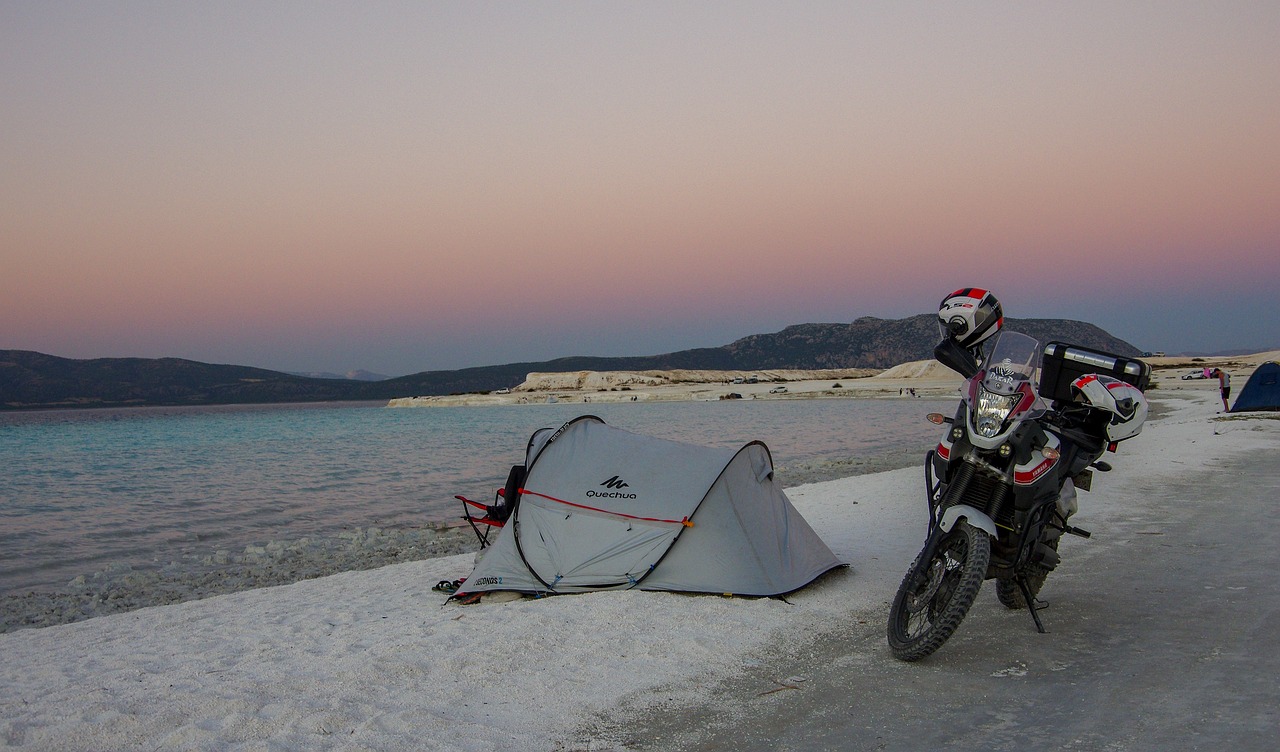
(919, 369)
(374, 660)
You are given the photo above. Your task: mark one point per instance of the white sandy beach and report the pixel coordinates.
(375, 660)
(927, 378)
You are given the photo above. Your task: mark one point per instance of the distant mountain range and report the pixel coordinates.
(30, 380)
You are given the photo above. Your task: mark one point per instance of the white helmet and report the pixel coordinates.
(970, 316)
(1125, 402)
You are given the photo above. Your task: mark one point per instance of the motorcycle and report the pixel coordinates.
(1029, 432)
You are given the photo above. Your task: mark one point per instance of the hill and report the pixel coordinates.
(31, 379)
(879, 343)
(34, 380)
(865, 343)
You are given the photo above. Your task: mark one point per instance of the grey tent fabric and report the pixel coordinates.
(1261, 391)
(603, 508)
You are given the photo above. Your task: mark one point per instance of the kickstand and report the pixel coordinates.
(1031, 604)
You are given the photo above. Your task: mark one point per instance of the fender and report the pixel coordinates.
(975, 518)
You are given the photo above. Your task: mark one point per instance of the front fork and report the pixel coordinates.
(978, 518)
(983, 519)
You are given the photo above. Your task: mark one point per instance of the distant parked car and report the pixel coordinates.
(1202, 373)
(777, 390)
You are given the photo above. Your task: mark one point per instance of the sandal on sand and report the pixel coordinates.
(448, 586)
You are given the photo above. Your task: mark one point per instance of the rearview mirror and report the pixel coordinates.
(950, 354)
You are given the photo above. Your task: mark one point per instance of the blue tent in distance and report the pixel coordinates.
(1261, 391)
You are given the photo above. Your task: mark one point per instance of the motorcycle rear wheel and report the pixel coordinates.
(1010, 594)
(937, 592)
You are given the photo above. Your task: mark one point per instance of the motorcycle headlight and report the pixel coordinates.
(991, 411)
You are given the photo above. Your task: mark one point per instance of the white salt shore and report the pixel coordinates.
(375, 660)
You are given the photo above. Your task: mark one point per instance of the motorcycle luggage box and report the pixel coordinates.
(1063, 364)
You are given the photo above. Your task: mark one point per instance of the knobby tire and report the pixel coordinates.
(937, 592)
(1010, 594)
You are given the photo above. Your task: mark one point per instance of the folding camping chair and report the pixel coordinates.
(494, 515)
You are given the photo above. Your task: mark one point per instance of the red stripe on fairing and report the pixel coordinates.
(1028, 398)
(944, 452)
(1029, 476)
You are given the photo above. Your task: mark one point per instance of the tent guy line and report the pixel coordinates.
(684, 521)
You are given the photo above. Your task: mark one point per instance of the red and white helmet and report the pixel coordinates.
(970, 316)
(1125, 402)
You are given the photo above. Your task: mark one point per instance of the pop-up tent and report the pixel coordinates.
(604, 509)
(1261, 391)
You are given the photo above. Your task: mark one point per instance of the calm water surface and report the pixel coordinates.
(83, 490)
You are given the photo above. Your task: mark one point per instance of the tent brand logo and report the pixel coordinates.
(614, 482)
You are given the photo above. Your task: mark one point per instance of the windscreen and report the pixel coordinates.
(1013, 361)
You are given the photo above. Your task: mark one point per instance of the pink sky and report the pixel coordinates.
(404, 186)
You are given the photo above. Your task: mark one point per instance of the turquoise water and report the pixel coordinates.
(85, 490)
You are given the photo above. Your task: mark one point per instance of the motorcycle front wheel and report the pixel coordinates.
(937, 592)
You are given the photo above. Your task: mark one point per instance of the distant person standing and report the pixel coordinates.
(1224, 386)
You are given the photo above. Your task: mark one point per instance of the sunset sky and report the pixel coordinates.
(409, 186)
